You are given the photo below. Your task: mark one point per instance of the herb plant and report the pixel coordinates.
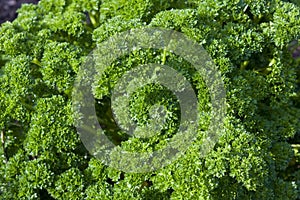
(41, 51)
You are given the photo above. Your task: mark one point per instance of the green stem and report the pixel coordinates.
(296, 146)
(37, 62)
(93, 18)
(163, 61)
(244, 65)
(3, 146)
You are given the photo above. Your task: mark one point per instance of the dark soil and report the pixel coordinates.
(8, 9)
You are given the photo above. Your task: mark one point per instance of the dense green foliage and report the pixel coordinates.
(42, 156)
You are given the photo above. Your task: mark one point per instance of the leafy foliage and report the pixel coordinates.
(42, 156)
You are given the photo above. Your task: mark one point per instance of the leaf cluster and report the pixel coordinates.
(42, 156)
